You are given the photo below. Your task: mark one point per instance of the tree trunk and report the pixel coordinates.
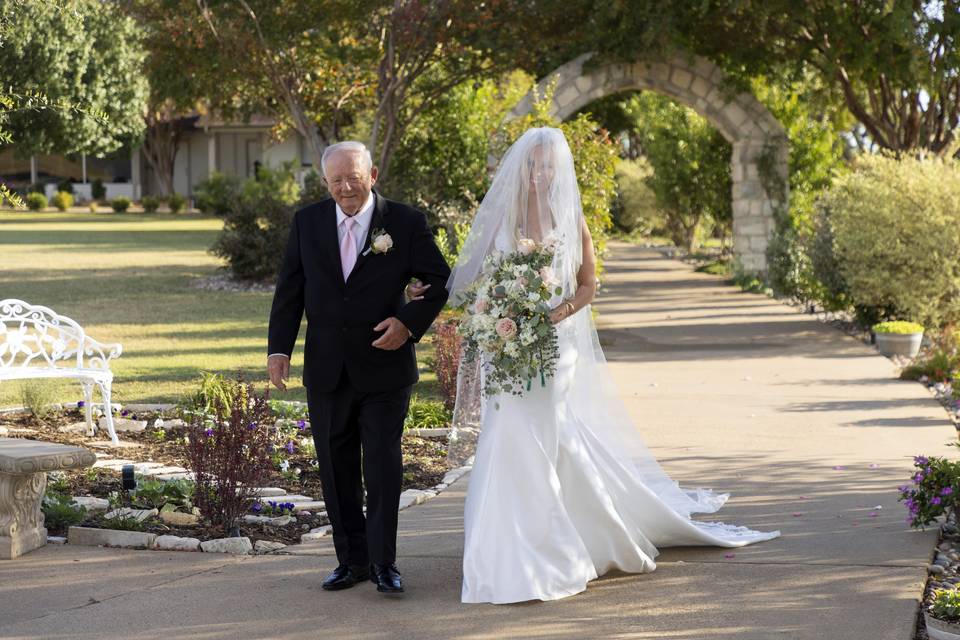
(160, 147)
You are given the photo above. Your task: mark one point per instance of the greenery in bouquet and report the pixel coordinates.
(506, 320)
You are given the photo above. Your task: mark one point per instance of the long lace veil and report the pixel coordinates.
(534, 194)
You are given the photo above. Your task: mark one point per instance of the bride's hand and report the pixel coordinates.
(415, 290)
(562, 312)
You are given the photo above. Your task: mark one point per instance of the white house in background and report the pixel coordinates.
(211, 145)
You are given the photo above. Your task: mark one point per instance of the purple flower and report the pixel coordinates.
(208, 432)
(81, 404)
(920, 460)
(917, 478)
(946, 491)
(124, 412)
(252, 426)
(257, 507)
(291, 447)
(934, 500)
(301, 424)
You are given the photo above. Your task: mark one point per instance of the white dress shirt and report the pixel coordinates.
(363, 219)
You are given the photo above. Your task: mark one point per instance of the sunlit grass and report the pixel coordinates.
(129, 278)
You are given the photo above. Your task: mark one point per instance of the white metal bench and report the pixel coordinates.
(36, 342)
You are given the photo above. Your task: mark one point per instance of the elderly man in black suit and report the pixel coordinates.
(347, 263)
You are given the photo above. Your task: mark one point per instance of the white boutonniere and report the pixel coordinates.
(380, 242)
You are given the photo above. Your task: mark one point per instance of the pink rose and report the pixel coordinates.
(526, 246)
(522, 281)
(506, 328)
(547, 275)
(481, 306)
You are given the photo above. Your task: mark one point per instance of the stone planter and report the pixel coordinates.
(940, 630)
(899, 344)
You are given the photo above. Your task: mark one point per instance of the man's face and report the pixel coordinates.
(349, 180)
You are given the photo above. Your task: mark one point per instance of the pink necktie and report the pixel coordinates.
(348, 248)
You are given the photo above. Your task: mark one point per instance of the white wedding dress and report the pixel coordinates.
(563, 488)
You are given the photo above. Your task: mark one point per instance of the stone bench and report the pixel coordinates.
(23, 479)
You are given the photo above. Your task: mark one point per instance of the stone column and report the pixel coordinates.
(753, 222)
(21, 521)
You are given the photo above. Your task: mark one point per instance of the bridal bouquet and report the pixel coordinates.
(506, 318)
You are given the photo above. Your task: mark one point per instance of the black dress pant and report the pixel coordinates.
(356, 430)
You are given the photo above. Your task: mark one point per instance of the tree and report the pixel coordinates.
(304, 61)
(74, 74)
(691, 166)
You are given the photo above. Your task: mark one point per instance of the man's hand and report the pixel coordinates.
(396, 334)
(278, 366)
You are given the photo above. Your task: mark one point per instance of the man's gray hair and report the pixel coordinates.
(351, 146)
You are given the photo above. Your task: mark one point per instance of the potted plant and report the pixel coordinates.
(943, 615)
(898, 338)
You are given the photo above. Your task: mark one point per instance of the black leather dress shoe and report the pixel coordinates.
(344, 577)
(386, 577)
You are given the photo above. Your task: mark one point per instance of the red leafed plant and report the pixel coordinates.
(447, 345)
(228, 448)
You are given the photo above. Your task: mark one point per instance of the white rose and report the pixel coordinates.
(383, 243)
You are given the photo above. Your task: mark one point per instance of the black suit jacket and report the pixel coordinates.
(341, 315)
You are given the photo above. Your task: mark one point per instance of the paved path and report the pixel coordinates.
(808, 429)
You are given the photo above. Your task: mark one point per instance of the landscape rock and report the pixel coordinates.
(139, 514)
(76, 427)
(236, 546)
(178, 518)
(109, 537)
(91, 503)
(123, 424)
(56, 540)
(279, 521)
(316, 534)
(176, 543)
(269, 492)
(308, 506)
(266, 546)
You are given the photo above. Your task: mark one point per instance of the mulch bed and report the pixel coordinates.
(425, 464)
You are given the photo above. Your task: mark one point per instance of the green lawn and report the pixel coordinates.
(127, 278)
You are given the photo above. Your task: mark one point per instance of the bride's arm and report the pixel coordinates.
(586, 281)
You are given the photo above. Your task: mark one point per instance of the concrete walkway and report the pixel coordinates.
(808, 429)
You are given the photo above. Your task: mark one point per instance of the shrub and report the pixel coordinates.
(150, 204)
(36, 201)
(37, 187)
(97, 190)
(120, 204)
(935, 491)
(635, 206)
(940, 362)
(896, 226)
(123, 522)
(313, 188)
(217, 193)
(446, 361)
(153, 494)
(66, 186)
(227, 448)
(63, 200)
(60, 513)
(40, 398)
(256, 228)
(899, 326)
(427, 414)
(946, 605)
(176, 202)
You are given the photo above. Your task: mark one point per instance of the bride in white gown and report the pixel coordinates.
(562, 488)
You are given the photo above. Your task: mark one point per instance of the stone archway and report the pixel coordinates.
(696, 82)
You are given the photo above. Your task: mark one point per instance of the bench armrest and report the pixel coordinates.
(98, 355)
